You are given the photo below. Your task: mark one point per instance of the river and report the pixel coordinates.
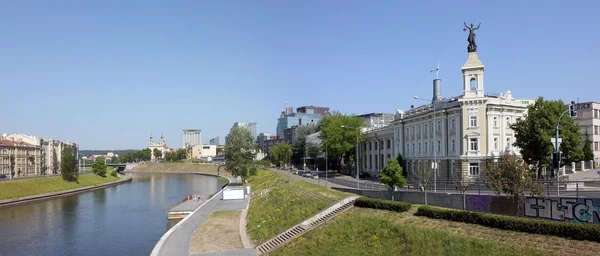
(127, 219)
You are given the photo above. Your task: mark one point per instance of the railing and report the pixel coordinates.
(195, 197)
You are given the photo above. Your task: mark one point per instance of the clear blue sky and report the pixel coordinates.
(106, 74)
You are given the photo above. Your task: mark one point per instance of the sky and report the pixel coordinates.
(107, 74)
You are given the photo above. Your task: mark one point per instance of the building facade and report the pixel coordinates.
(192, 137)
(18, 158)
(299, 118)
(290, 135)
(160, 145)
(270, 143)
(323, 111)
(252, 126)
(459, 135)
(215, 141)
(204, 151)
(588, 118)
(377, 120)
(260, 139)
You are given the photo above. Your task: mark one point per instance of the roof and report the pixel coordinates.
(10, 143)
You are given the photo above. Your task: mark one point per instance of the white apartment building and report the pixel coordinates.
(46, 158)
(461, 133)
(192, 137)
(588, 118)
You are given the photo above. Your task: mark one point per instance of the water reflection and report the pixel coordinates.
(123, 220)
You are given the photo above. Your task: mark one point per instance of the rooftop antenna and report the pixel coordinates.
(437, 71)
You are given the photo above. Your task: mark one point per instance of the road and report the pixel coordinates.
(338, 180)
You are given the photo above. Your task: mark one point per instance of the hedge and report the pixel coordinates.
(577, 231)
(366, 202)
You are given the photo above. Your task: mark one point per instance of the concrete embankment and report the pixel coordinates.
(33, 198)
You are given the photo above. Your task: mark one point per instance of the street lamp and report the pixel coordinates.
(434, 164)
(356, 160)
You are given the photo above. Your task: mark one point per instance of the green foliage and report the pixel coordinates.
(99, 167)
(68, 165)
(301, 133)
(176, 156)
(341, 142)
(370, 232)
(402, 164)
(588, 154)
(381, 204)
(136, 156)
(239, 154)
(391, 175)
(542, 227)
(156, 152)
(534, 132)
(287, 202)
(264, 162)
(511, 176)
(114, 160)
(281, 153)
(113, 173)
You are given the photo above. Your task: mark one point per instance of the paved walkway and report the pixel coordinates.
(177, 242)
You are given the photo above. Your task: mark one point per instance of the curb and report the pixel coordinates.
(33, 198)
(162, 239)
(243, 234)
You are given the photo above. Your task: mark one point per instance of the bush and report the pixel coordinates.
(113, 173)
(366, 202)
(542, 227)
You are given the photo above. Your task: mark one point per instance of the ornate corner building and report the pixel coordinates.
(460, 133)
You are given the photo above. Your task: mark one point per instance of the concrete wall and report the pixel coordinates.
(579, 210)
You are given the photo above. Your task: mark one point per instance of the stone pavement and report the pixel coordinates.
(177, 240)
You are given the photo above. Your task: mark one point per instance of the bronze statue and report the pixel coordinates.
(472, 45)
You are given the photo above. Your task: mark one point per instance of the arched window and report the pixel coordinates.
(473, 84)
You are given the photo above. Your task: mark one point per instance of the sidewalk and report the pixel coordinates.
(178, 239)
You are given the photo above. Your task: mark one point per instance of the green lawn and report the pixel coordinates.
(360, 232)
(289, 202)
(28, 187)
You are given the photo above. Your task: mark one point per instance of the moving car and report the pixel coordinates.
(307, 174)
(315, 176)
(364, 175)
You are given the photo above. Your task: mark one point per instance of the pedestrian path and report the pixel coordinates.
(178, 239)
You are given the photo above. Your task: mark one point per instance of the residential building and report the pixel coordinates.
(192, 137)
(160, 145)
(290, 135)
(461, 133)
(51, 155)
(306, 116)
(252, 126)
(215, 141)
(588, 118)
(377, 120)
(19, 158)
(260, 139)
(204, 151)
(46, 153)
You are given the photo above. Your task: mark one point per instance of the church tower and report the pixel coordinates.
(473, 77)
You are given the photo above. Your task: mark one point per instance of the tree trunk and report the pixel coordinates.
(464, 201)
(425, 196)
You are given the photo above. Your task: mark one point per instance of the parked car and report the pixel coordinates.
(315, 175)
(308, 174)
(301, 173)
(364, 175)
(2, 176)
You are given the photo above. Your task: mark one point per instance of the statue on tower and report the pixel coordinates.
(471, 39)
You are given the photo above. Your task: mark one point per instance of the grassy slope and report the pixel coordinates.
(361, 232)
(28, 187)
(287, 204)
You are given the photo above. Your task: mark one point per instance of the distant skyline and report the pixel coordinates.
(107, 74)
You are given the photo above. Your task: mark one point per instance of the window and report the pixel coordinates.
(425, 130)
(453, 145)
(439, 148)
(473, 144)
(413, 131)
(508, 143)
(474, 169)
(495, 143)
(370, 161)
(452, 124)
(414, 149)
(381, 145)
(370, 146)
(495, 121)
(389, 156)
(389, 144)
(425, 149)
(507, 121)
(419, 148)
(473, 121)
(439, 125)
(419, 130)
(596, 113)
(473, 84)
(596, 129)
(596, 146)
(407, 149)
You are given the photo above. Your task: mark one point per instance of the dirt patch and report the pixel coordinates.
(219, 232)
(550, 244)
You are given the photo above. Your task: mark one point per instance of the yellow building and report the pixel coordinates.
(18, 158)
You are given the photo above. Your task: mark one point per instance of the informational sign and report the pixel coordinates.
(233, 194)
(553, 140)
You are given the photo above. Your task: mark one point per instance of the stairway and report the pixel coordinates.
(307, 225)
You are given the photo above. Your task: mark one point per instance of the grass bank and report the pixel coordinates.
(365, 232)
(36, 186)
(281, 202)
(179, 167)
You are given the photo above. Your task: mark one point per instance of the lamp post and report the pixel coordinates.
(326, 166)
(434, 164)
(356, 156)
(557, 155)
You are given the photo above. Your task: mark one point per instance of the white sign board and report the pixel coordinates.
(553, 140)
(233, 194)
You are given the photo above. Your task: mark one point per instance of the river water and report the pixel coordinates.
(127, 219)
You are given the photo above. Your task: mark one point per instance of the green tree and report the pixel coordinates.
(534, 132)
(341, 141)
(299, 146)
(588, 154)
(511, 176)
(68, 165)
(402, 164)
(181, 154)
(422, 175)
(145, 154)
(114, 160)
(99, 167)
(239, 154)
(157, 153)
(391, 175)
(281, 153)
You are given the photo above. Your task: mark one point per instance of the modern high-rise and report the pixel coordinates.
(317, 110)
(252, 126)
(214, 141)
(588, 118)
(306, 115)
(192, 137)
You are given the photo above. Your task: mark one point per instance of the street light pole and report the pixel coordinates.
(326, 166)
(434, 164)
(556, 154)
(356, 156)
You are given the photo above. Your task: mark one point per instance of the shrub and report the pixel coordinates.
(113, 173)
(366, 202)
(542, 227)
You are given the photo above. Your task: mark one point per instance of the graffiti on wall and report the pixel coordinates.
(564, 209)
